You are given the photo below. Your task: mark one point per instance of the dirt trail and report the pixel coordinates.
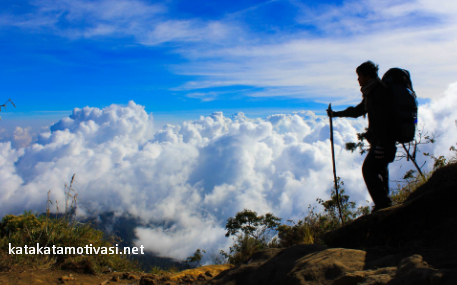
(27, 276)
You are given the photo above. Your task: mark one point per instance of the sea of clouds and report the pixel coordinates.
(191, 177)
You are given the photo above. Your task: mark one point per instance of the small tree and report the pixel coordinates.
(348, 208)
(312, 228)
(195, 259)
(221, 258)
(251, 225)
(253, 233)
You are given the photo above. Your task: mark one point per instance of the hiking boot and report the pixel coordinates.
(377, 208)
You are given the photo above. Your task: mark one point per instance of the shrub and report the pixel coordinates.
(253, 233)
(244, 247)
(296, 234)
(194, 260)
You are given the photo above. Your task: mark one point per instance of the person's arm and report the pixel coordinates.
(352, 112)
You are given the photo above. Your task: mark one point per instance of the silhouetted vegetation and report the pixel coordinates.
(254, 233)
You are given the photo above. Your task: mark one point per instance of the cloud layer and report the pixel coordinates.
(190, 178)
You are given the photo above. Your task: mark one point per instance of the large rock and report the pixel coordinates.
(293, 265)
(313, 265)
(426, 223)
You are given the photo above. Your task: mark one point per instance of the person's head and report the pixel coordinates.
(366, 71)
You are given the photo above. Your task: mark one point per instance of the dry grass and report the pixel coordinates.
(408, 186)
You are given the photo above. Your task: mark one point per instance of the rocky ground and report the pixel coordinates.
(24, 276)
(313, 264)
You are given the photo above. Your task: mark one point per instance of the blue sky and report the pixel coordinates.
(182, 59)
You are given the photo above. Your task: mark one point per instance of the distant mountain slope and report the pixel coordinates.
(124, 227)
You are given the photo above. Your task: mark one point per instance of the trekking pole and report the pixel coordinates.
(333, 160)
(413, 160)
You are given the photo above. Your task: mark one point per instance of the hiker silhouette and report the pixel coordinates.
(377, 104)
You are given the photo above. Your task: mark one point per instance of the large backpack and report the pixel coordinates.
(404, 103)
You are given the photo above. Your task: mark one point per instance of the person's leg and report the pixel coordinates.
(376, 176)
(385, 178)
(391, 151)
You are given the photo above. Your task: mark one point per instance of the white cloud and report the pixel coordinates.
(440, 117)
(310, 68)
(120, 11)
(191, 177)
(22, 137)
(356, 17)
(185, 31)
(415, 35)
(149, 24)
(290, 62)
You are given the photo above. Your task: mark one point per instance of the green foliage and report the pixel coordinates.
(216, 258)
(219, 258)
(30, 229)
(441, 160)
(412, 180)
(399, 195)
(251, 229)
(195, 259)
(244, 247)
(157, 270)
(315, 225)
(348, 208)
(62, 230)
(251, 225)
(253, 233)
(409, 174)
(299, 233)
(360, 143)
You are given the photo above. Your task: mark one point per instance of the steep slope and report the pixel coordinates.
(426, 223)
(412, 243)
